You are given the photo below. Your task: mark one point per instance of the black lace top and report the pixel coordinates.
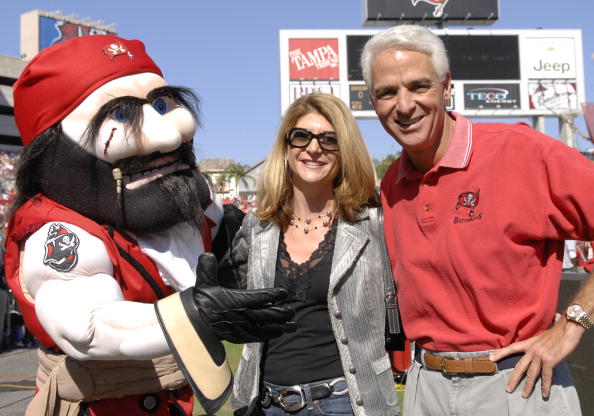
(310, 353)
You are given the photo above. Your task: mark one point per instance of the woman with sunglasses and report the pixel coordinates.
(313, 234)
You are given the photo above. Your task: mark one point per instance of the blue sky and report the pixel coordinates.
(227, 51)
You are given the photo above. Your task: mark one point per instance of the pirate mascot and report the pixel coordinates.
(103, 247)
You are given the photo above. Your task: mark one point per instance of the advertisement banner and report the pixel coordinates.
(52, 31)
(553, 95)
(551, 58)
(494, 73)
(359, 98)
(491, 96)
(298, 89)
(313, 59)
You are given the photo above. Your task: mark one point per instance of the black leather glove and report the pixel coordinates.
(233, 315)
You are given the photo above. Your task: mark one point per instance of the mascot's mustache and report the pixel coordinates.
(139, 164)
(137, 171)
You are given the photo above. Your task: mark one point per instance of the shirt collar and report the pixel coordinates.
(457, 156)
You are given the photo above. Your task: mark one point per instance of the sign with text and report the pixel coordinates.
(360, 100)
(313, 59)
(552, 58)
(298, 89)
(495, 73)
(552, 95)
(491, 96)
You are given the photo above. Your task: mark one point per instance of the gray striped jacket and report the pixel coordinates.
(355, 304)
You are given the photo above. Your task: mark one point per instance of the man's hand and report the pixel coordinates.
(541, 354)
(239, 316)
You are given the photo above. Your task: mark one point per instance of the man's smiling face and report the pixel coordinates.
(409, 97)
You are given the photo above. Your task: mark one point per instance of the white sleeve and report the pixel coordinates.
(69, 274)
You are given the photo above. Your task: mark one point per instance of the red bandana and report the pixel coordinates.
(60, 77)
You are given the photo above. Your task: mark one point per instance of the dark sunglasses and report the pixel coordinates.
(300, 137)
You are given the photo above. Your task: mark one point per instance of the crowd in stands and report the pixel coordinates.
(243, 203)
(8, 165)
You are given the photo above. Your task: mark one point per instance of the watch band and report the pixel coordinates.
(585, 321)
(577, 314)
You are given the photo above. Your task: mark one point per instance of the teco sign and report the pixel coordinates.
(489, 96)
(550, 58)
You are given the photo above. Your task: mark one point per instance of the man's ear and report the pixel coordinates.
(447, 87)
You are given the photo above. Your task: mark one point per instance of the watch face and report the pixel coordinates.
(574, 311)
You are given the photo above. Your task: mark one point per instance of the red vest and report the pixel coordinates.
(33, 215)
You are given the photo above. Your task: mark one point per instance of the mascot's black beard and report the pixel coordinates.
(78, 180)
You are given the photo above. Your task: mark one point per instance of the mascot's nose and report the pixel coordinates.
(160, 134)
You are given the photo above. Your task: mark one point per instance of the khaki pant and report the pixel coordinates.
(430, 393)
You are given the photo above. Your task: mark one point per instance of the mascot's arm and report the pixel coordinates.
(80, 304)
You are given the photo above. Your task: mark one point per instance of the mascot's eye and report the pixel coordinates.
(121, 115)
(161, 105)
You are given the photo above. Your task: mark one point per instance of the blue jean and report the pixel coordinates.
(333, 405)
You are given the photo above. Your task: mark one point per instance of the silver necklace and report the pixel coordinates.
(307, 222)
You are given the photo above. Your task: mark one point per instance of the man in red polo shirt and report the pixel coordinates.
(493, 204)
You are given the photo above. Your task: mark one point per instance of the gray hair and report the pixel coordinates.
(410, 38)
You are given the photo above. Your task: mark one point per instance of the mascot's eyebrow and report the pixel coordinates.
(127, 106)
(131, 107)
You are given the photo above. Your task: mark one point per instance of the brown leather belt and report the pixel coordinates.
(451, 366)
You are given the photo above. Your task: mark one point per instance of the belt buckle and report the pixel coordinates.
(338, 393)
(294, 407)
(266, 399)
(444, 371)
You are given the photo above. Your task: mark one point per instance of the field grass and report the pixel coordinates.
(234, 355)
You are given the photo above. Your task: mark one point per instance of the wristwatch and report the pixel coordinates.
(578, 315)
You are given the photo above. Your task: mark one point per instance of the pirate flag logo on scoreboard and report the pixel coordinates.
(439, 5)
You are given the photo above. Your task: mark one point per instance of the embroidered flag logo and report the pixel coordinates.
(60, 248)
(468, 200)
(116, 49)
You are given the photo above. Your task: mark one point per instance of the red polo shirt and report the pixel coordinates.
(476, 243)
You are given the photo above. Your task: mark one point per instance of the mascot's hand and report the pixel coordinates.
(239, 316)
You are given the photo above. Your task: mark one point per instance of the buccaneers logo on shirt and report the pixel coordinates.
(60, 248)
(468, 200)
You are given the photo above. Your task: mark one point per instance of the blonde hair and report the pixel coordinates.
(354, 186)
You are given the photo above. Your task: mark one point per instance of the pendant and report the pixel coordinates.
(306, 230)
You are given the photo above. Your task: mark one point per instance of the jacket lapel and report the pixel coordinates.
(264, 254)
(349, 243)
